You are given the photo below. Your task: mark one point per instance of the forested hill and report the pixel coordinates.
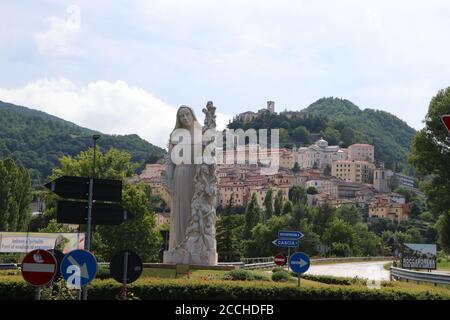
(36, 140)
(339, 121)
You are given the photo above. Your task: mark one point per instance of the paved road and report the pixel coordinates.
(372, 270)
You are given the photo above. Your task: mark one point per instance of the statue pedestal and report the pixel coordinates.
(181, 256)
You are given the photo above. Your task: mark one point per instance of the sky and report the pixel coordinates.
(124, 67)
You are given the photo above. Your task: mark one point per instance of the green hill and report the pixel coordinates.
(341, 122)
(37, 140)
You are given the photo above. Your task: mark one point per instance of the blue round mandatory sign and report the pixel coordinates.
(299, 262)
(78, 268)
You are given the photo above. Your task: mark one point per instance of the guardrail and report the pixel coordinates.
(411, 275)
(271, 264)
(9, 266)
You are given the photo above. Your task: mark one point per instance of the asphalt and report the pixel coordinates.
(372, 270)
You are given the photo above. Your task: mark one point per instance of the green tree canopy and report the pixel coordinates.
(15, 196)
(431, 155)
(252, 216)
(138, 234)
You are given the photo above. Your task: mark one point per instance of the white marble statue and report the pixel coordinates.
(192, 185)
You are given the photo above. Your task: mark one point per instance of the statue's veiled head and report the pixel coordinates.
(185, 118)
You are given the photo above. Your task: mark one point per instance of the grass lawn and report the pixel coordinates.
(444, 265)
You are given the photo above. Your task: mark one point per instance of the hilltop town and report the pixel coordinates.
(329, 173)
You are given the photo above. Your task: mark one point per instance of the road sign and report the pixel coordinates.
(76, 212)
(446, 121)
(38, 267)
(290, 234)
(78, 268)
(78, 188)
(125, 262)
(280, 260)
(286, 243)
(299, 262)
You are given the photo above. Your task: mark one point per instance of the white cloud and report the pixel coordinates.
(64, 36)
(110, 107)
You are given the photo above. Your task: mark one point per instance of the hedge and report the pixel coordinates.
(173, 289)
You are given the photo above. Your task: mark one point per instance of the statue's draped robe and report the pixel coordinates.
(183, 190)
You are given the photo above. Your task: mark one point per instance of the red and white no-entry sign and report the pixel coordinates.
(280, 260)
(39, 267)
(446, 121)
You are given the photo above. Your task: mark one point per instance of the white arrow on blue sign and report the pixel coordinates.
(286, 243)
(78, 268)
(290, 234)
(299, 262)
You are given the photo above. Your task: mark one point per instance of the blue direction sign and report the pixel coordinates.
(290, 234)
(286, 243)
(299, 262)
(78, 268)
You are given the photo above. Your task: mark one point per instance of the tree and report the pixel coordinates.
(312, 190)
(228, 227)
(350, 214)
(278, 203)
(322, 218)
(268, 205)
(252, 216)
(341, 232)
(431, 153)
(331, 135)
(301, 134)
(296, 167)
(287, 208)
(431, 156)
(138, 234)
(368, 243)
(443, 227)
(15, 196)
(297, 195)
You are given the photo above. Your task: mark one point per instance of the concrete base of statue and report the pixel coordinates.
(181, 256)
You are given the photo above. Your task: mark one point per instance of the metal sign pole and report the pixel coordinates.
(125, 273)
(89, 226)
(38, 293)
(289, 254)
(299, 276)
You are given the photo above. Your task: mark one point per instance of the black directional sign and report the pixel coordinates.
(133, 267)
(78, 188)
(75, 212)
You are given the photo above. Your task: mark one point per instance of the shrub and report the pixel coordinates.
(281, 276)
(103, 273)
(278, 269)
(333, 280)
(242, 274)
(176, 289)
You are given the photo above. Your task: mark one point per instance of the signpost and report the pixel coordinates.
(288, 239)
(79, 268)
(419, 256)
(89, 213)
(299, 263)
(280, 260)
(125, 267)
(38, 268)
(285, 243)
(76, 212)
(78, 188)
(290, 234)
